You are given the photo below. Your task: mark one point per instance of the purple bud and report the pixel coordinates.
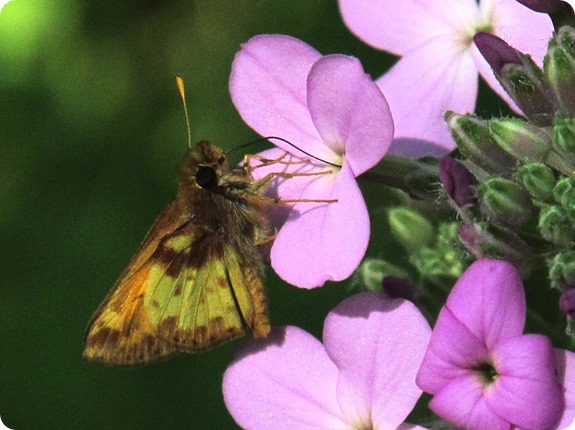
(471, 237)
(521, 78)
(458, 182)
(397, 287)
(496, 51)
(567, 302)
(543, 6)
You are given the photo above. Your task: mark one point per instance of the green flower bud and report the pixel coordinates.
(505, 201)
(527, 86)
(559, 69)
(484, 240)
(372, 271)
(446, 260)
(538, 179)
(556, 226)
(410, 228)
(564, 137)
(524, 141)
(562, 271)
(564, 194)
(527, 142)
(475, 142)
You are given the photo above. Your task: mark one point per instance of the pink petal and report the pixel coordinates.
(287, 187)
(401, 26)
(566, 378)
(323, 241)
(462, 403)
(268, 87)
(426, 83)
(526, 369)
(452, 352)
(349, 111)
(285, 382)
(522, 28)
(377, 345)
(489, 300)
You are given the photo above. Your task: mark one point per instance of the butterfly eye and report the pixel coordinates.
(206, 177)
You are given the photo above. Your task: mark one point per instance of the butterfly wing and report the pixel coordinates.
(186, 289)
(207, 295)
(120, 331)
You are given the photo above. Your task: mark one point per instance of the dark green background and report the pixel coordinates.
(92, 130)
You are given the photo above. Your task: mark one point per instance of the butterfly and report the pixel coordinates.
(196, 280)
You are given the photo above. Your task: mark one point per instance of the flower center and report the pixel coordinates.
(487, 373)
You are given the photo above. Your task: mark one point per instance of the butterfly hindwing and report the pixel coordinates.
(196, 280)
(194, 303)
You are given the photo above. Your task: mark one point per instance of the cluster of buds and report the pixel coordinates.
(514, 187)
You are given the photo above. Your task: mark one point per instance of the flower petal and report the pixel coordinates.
(426, 83)
(526, 374)
(268, 87)
(520, 27)
(399, 27)
(349, 111)
(490, 301)
(452, 352)
(377, 345)
(323, 241)
(286, 381)
(566, 378)
(462, 403)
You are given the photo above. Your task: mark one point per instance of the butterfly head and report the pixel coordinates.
(203, 165)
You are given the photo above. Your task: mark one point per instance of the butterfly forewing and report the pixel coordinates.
(196, 280)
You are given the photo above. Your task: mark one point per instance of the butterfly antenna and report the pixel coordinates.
(285, 141)
(181, 89)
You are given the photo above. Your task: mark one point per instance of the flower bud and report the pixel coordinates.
(556, 226)
(458, 182)
(372, 271)
(538, 179)
(398, 287)
(524, 141)
(475, 142)
(564, 137)
(505, 201)
(562, 271)
(410, 228)
(567, 302)
(520, 77)
(483, 240)
(559, 69)
(564, 194)
(543, 6)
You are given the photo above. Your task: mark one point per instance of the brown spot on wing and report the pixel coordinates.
(120, 332)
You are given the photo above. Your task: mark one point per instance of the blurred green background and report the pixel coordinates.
(92, 130)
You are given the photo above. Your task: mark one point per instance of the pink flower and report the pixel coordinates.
(328, 107)
(440, 64)
(361, 377)
(483, 371)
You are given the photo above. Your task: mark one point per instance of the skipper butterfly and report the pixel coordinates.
(196, 280)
